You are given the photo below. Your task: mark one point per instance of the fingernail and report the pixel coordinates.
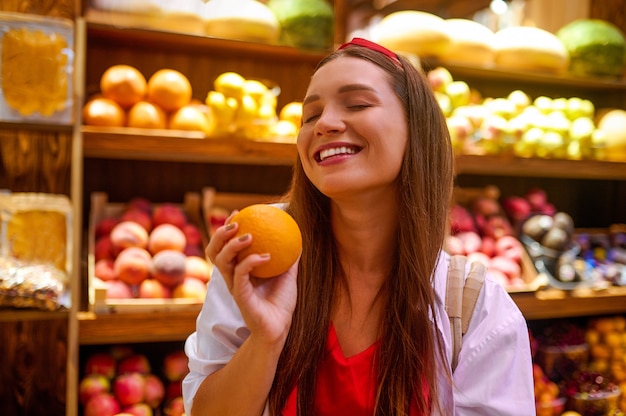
(244, 237)
(265, 255)
(229, 226)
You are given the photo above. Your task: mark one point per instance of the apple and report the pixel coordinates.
(499, 277)
(168, 214)
(116, 289)
(129, 388)
(139, 216)
(137, 409)
(439, 78)
(471, 241)
(459, 93)
(461, 220)
(453, 245)
(479, 257)
(485, 206)
(496, 226)
(175, 407)
(104, 226)
(103, 404)
(140, 203)
(101, 363)
(175, 366)
(488, 246)
(520, 99)
(154, 391)
(92, 385)
(517, 207)
(537, 198)
(506, 265)
(509, 247)
(134, 363)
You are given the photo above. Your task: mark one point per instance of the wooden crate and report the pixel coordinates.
(98, 302)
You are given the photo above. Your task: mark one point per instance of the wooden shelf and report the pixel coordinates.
(169, 145)
(555, 303)
(97, 329)
(10, 315)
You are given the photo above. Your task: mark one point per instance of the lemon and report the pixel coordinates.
(255, 89)
(247, 110)
(223, 108)
(292, 112)
(231, 84)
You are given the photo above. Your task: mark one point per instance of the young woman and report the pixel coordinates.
(358, 326)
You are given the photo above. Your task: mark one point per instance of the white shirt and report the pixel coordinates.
(494, 372)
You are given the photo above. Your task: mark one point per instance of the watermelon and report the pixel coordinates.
(306, 24)
(596, 47)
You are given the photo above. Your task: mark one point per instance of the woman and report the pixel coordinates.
(358, 326)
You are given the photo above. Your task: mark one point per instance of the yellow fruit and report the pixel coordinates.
(255, 89)
(190, 117)
(284, 131)
(247, 110)
(123, 84)
(274, 232)
(103, 112)
(223, 108)
(147, 115)
(292, 112)
(231, 84)
(170, 89)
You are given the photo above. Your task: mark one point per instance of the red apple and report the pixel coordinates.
(193, 235)
(537, 198)
(104, 226)
(507, 266)
(488, 246)
(140, 203)
(517, 208)
(169, 214)
(510, 247)
(104, 248)
(175, 365)
(471, 241)
(485, 206)
(101, 363)
(135, 363)
(92, 385)
(461, 220)
(497, 226)
(129, 388)
(154, 391)
(103, 404)
(138, 409)
(176, 407)
(173, 389)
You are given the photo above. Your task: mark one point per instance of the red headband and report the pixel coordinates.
(373, 46)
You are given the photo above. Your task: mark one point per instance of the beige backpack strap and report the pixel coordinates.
(454, 302)
(473, 284)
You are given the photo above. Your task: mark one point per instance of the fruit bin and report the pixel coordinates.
(471, 200)
(97, 292)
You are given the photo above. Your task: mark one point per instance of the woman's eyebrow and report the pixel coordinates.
(342, 90)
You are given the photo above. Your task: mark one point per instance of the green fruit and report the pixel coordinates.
(307, 24)
(596, 47)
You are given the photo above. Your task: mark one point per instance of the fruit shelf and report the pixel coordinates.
(97, 329)
(168, 145)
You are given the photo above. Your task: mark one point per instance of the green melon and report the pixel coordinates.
(306, 24)
(596, 47)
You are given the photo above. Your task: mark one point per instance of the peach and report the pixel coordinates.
(166, 237)
(104, 248)
(168, 267)
(133, 265)
(128, 234)
(169, 214)
(198, 267)
(103, 269)
(190, 288)
(153, 289)
(116, 289)
(140, 217)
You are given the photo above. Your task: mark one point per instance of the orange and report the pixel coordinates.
(191, 117)
(103, 112)
(169, 89)
(273, 231)
(123, 84)
(147, 115)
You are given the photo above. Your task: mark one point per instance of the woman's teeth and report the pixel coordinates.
(326, 153)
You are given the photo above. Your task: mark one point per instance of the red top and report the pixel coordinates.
(345, 385)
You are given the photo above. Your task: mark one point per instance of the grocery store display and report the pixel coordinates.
(612, 126)
(471, 43)
(596, 47)
(520, 125)
(121, 380)
(148, 251)
(602, 254)
(273, 231)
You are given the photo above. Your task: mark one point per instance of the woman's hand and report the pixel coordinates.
(266, 305)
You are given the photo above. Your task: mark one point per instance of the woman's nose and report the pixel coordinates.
(329, 122)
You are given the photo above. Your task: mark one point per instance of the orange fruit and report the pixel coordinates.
(169, 89)
(123, 84)
(103, 112)
(191, 117)
(147, 115)
(273, 231)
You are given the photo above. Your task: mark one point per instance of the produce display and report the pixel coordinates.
(520, 125)
(306, 24)
(150, 251)
(121, 380)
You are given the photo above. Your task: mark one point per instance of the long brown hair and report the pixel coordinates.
(408, 357)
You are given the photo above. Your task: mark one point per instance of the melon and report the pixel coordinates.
(470, 43)
(613, 125)
(596, 47)
(305, 24)
(246, 20)
(411, 31)
(527, 48)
